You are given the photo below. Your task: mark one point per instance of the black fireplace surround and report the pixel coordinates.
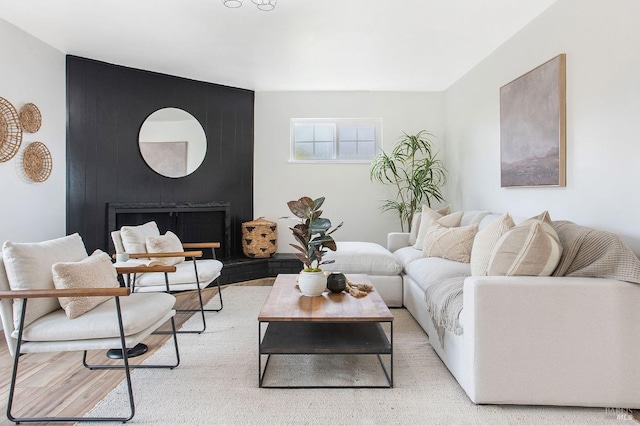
(106, 105)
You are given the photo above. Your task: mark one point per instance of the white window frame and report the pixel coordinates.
(337, 124)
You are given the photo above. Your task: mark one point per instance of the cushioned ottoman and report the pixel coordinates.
(355, 257)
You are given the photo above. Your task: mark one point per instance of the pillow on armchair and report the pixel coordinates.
(134, 238)
(96, 271)
(167, 243)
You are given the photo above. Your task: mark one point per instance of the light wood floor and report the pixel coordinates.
(53, 384)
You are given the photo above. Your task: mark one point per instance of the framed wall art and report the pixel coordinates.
(532, 127)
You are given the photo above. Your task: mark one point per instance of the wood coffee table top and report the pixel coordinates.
(286, 303)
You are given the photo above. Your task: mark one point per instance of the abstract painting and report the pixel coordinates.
(532, 127)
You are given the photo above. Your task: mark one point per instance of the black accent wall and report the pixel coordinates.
(106, 105)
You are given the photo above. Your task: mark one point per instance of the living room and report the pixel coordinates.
(600, 40)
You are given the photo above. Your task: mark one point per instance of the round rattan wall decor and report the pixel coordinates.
(10, 131)
(30, 118)
(37, 162)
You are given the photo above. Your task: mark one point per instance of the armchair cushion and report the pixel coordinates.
(138, 313)
(184, 277)
(167, 243)
(96, 271)
(28, 267)
(134, 238)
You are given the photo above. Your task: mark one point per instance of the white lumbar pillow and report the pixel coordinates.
(134, 238)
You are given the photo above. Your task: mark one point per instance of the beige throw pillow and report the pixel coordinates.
(417, 218)
(450, 243)
(531, 248)
(485, 241)
(167, 243)
(134, 238)
(429, 217)
(96, 271)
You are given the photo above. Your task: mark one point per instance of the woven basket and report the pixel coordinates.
(259, 238)
(30, 118)
(10, 131)
(37, 162)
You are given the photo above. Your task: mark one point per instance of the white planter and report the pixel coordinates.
(312, 283)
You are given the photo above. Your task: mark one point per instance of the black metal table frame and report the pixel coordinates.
(325, 350)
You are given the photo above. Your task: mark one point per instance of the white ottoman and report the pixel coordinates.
(355, 257)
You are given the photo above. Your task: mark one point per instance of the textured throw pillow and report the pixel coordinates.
(28, 267)
(167, 243)
(429, 217)
(96, 271)
(450, 243)
(415, 223)
(531, 248)
(485, 241)
(134, 238)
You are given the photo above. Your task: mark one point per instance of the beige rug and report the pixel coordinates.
(217, 383)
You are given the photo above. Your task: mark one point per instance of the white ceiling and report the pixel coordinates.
(381, 45)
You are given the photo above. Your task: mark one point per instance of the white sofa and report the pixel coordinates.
(532, 340)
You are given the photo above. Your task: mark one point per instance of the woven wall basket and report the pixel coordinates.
(10, 131)
(30, 118)
(259, 238)
(37, 162)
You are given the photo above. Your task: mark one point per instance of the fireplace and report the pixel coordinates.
(191, 222)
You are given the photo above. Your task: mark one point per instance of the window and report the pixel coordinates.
(335, 139)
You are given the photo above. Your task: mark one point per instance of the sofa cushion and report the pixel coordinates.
(473, 216)
(134, 238)
(28, 267)
(167, 243)
(485, 241)
(417, 218)
(427, 270)
(96, 271)
(450, 243)
(362, 258)
(531, 248)
(406, 255)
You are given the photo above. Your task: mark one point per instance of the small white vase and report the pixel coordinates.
(312, 283)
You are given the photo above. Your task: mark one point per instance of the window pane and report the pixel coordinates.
(303, 132)
(366, 149)
(348, 133)
(366, 133)
(324, 132)
(348, 149)
(324, 150)
(303, 151)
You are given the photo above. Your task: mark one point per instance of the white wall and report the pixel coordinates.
(602, 42)
(350, 195)
(32, 71)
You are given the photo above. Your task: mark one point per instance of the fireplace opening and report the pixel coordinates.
(191, 222)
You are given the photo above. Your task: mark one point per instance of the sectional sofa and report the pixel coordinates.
(569, 340)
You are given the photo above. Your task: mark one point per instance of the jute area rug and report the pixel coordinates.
(217, 382)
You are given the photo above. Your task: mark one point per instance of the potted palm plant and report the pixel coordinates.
(313, 237)
(412, 167)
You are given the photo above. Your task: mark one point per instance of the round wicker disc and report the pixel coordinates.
(10, 131)
(37, 162)
(30, 118)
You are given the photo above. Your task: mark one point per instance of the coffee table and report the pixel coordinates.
(331, 324)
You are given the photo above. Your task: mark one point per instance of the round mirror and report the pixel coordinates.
(172, 142)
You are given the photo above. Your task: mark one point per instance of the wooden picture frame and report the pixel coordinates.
(533, 127)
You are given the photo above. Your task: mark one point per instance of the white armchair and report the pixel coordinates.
(57, 272)
(144, 243)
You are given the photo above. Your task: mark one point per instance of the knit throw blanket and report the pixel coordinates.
(587, 252)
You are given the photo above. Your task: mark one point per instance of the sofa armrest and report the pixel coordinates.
(560, 340)
(397, 240)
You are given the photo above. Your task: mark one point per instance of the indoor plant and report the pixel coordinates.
(313, 237)
(416, 173)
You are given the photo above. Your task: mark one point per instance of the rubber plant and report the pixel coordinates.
(412, 167)
(313, 233)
